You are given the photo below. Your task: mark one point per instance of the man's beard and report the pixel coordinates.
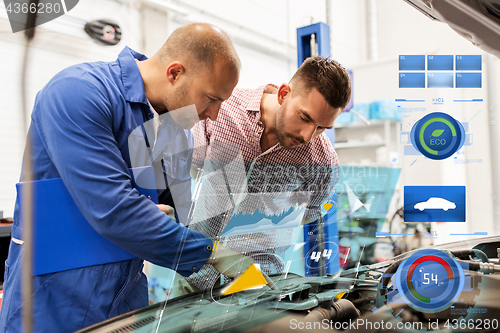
(180, 98)
(185, 115)
(280, 133)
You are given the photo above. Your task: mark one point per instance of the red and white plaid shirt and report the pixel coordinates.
(272, 181)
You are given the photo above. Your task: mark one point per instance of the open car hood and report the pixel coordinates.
(476, 20)
(265, 310)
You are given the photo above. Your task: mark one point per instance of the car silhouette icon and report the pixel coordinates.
(435, 203)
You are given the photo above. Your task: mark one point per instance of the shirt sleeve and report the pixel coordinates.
(74, 116)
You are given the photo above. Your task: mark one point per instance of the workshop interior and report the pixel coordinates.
(407, 237)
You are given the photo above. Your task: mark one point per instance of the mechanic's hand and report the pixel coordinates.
(229, 262)
(232, 263)
(167, 210)
(270, 89)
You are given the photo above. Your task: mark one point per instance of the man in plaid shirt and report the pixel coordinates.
(271, 146)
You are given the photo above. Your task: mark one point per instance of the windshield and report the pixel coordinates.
(350, 175)
(409, 177)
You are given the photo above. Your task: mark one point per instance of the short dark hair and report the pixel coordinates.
(202, 44)
(326, 75)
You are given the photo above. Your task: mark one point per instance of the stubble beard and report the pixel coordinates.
(181, 101)
(282, 137)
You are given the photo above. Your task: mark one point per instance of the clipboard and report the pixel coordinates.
(62, 237)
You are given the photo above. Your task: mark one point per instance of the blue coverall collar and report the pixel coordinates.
(131, 76)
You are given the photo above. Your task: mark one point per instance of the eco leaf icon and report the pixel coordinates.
(437, 133)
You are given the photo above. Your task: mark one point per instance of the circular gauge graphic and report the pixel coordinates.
(429, 280)
(437, 135)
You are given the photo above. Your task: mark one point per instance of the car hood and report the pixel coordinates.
(476, 20)
(250, 309)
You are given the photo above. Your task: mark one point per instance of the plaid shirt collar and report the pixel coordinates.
(256, 97)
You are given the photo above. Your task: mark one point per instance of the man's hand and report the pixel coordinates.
(167, 210)
(229, 262)
(232, 263)
(307, 221)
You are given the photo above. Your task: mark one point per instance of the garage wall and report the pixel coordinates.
(403, 30)
(51, 52)
(264, 34)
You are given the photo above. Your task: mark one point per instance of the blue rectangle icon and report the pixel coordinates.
(468, 62)
(434, 203)
(411, 80)
(412, 63)
(440, 80)
(440, 62)
(468, 80)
